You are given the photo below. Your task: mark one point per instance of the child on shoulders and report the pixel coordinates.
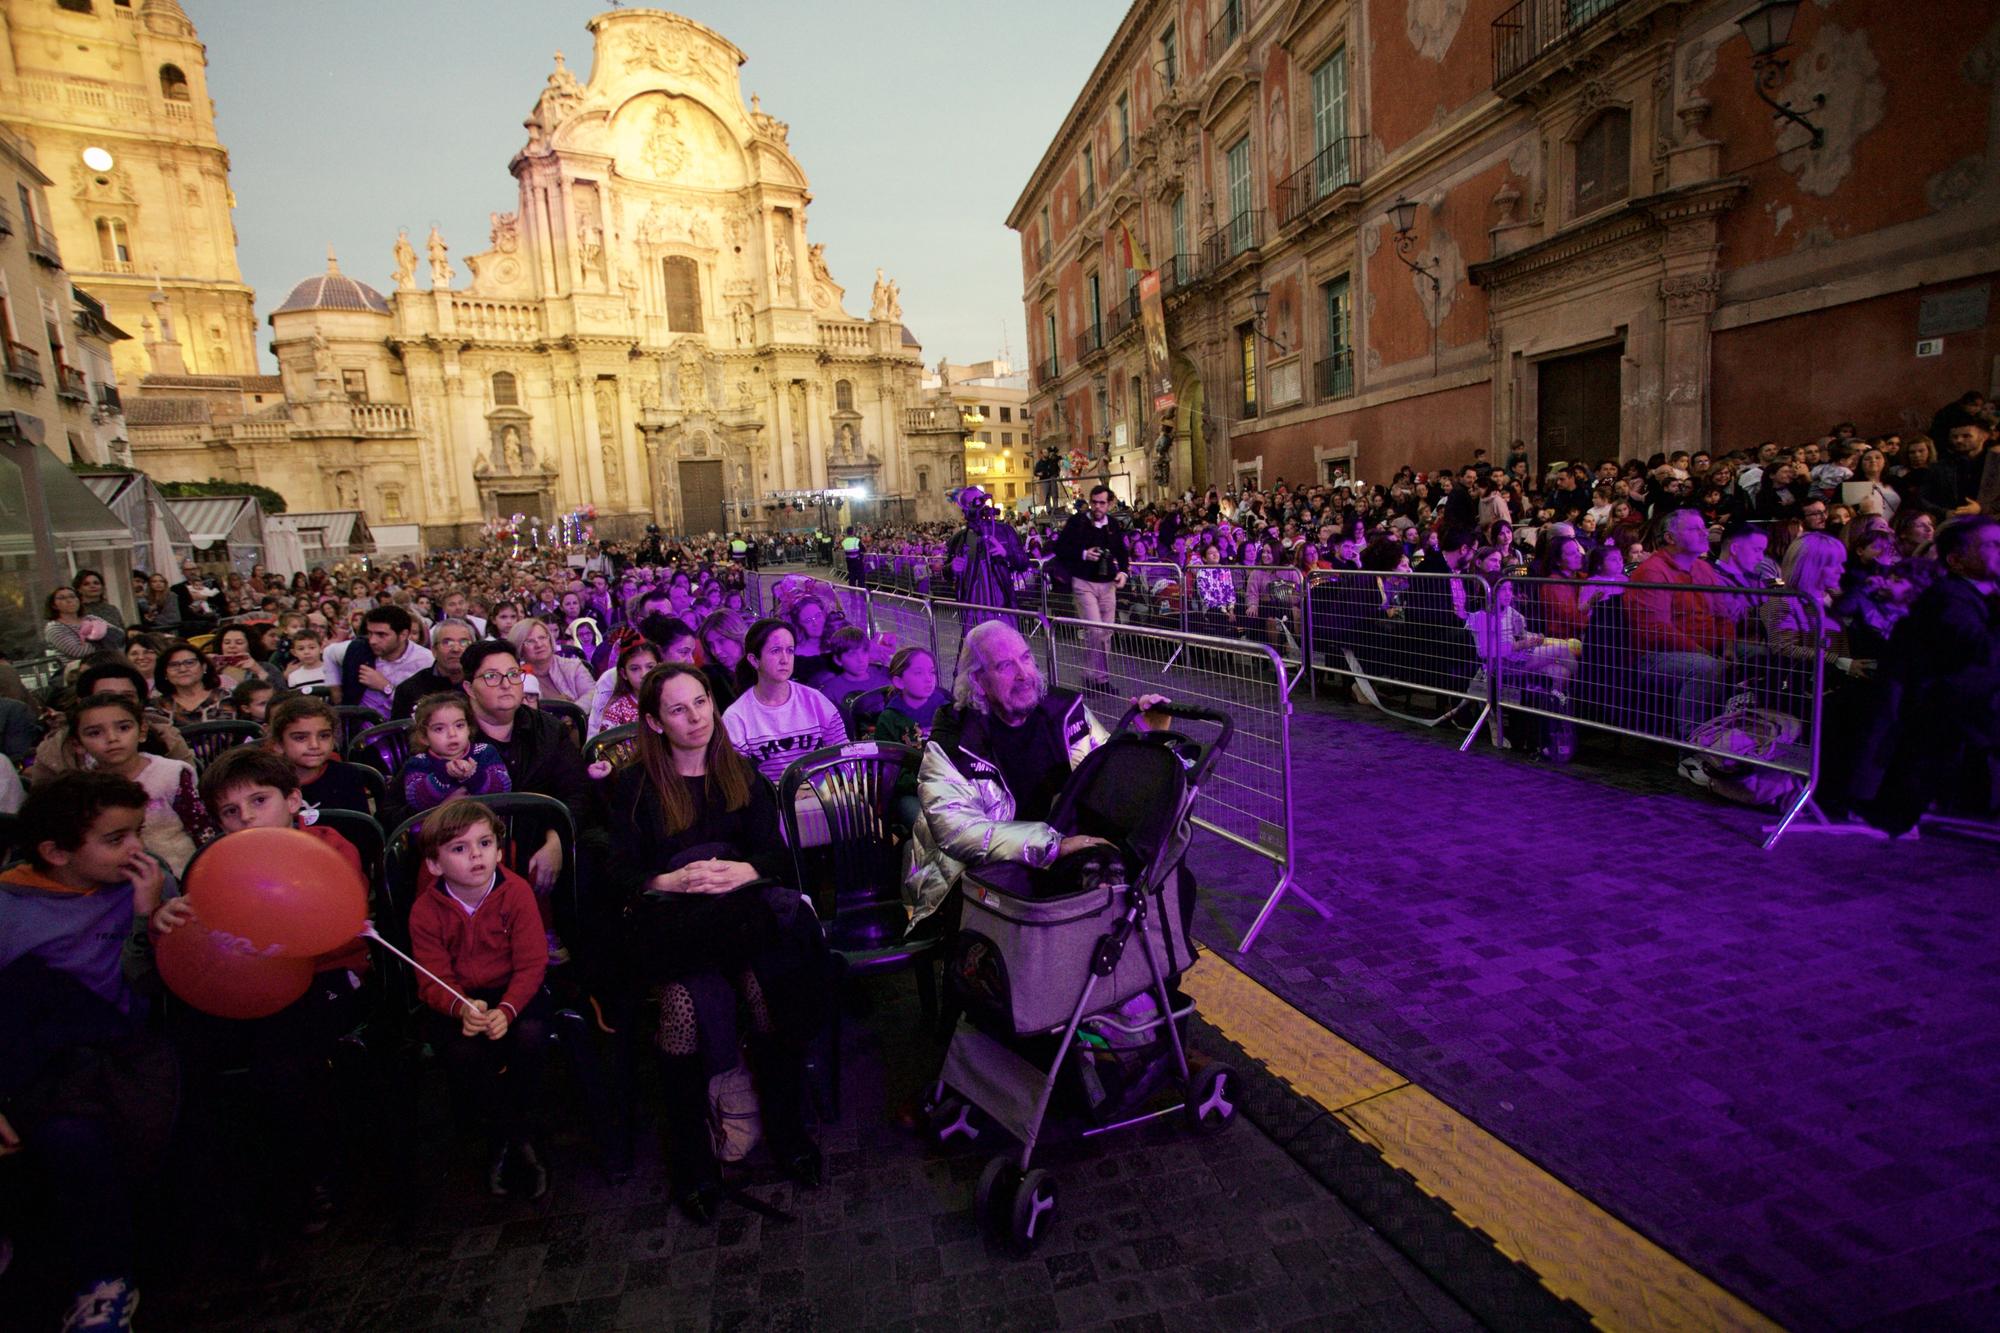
(479, 929)
(89, 1093)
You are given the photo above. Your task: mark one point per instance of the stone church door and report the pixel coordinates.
(701, 497)
(528, 504)
(1577, 405)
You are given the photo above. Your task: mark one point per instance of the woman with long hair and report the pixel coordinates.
(560, 677)
(694, 834)
(159, 609)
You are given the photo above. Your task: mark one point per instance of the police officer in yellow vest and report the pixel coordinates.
(856, 574)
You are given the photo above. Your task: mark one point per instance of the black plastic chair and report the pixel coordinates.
(855, 876)
(355, 719)
(365, 832)
(620, 745)
(860, 708)
(573, 716)
(209, 739)
(383, 747)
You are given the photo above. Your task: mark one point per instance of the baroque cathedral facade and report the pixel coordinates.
(650, 330)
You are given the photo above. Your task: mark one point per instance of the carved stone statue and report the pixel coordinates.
(649, 392)
(322, 357)
(613, 481)
(440, 260)
(894, 314)
(816, 256)
(846, 440)
(506, 232)
(782, 243)
(510, 448)
(406, 262)
(693, 380)
(878, 300)
(739, 319)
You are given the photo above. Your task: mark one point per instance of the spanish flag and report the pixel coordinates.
(1135, 256)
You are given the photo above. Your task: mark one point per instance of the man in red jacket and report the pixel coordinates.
(478, 929)
(1682, 637)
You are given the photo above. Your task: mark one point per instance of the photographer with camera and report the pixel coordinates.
(1092, 551)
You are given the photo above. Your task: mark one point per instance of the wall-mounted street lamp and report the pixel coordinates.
(1260, 301)
(1768, 29)
(1403, 217)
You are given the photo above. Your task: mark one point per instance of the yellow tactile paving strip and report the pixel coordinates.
(1579, 1251)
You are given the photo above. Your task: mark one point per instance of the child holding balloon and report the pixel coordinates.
(89, 1092)
(477, 931)
(289, 1051)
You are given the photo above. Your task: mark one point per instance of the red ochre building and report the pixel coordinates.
(1632, 253)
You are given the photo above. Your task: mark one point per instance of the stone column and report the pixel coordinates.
(781, 441)
(815, 436)
(590, 476)
(1690, 301)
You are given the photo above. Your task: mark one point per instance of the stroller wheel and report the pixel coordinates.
(950, 1119)
(1211, 1100)
(1031, 1212)
(994, 1193)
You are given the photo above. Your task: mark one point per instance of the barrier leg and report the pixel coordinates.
(1486, 710)
(1284, 885)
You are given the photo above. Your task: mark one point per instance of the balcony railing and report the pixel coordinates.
(110, 400)
(1179, 273)
(1048, 372)
(1121, 160)
(6, 223)
(1222, 33)
(1086, 199)
(24, 363)
(1242, 233)
(1124, 317)
(1334, 167)
(71, 384)
(1533, 28)
(1090, 342)
(1334, 377)
(42, 245)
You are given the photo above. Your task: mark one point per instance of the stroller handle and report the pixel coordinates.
(1193, 713)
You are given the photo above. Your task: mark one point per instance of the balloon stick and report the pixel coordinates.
(368, 933)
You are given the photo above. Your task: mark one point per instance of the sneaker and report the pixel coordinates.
(558, 951)
(496, 1175)
(108, 1305)
(529, 1179)
(1696, 772)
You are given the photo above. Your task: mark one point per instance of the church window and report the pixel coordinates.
(114, 243)
(1604, 161)
(392, 502)
(505, 392)
(354, 383)
(174, 84)
(923, 481)
(74, 6)
(843, 395)
(683, 295)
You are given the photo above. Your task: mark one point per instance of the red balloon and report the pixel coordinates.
(284, 891)
(222, 975)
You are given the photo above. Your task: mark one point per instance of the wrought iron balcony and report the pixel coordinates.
(1222, 33)
(1532, 29)
(71, 384)
(42, 245)
(1086, 199)
(24, 363)
(1090, 342)
(110, 400)
(1243, 233)
(1124, 317)
(1048, 372)
(1334, 168)
(1120, 161)
(1179, 273)
(1334, 377)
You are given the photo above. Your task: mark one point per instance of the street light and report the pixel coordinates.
(1260, 301)
(1403, 216)
(1768, 29)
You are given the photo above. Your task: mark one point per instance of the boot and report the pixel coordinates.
(779, 1066)
(697, 1180)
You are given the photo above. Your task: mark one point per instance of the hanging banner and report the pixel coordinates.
(1153, 316)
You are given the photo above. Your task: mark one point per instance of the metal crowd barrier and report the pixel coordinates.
(1247, 799)
(904, 572)
(951, 621)
(908, 618)
(1401, 641)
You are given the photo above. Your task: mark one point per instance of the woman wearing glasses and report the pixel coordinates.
(190, 688)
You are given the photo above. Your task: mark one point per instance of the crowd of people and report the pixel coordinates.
(701, 691)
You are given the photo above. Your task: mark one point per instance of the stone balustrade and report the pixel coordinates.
(844, 335)
(496, 321)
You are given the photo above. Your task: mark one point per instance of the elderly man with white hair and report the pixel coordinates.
(996, 761)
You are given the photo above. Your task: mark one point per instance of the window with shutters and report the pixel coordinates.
(1240, 193)
(505, 392)
(1604, 161)
(843, 395)
(683, 295)
(1329, 105)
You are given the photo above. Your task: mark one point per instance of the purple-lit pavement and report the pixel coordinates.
(1783, 1067)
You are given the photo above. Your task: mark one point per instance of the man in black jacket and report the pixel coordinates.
(448, 644)
(1092, 551)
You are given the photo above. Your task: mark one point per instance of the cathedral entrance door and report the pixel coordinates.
(1577, 405)
(528, 504)
(701, 497)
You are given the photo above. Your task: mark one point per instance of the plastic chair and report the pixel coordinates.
(620, 745)
(209, 739)
(383, 747)
(854, 875)
(860, 708)
(355, 719)
(572, 715)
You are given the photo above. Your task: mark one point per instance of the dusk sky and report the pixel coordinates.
(917, 125)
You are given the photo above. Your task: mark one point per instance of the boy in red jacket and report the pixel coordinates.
(479, 929)
(289, 1053)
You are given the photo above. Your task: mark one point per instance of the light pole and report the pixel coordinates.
(1403, 217)
(1768, 29)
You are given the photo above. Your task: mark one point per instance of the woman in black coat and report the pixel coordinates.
(696, 850)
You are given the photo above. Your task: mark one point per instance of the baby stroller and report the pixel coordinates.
(1066, 976)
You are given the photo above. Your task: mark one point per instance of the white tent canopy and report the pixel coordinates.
(326, 537)
(159, 540)
(236, 522)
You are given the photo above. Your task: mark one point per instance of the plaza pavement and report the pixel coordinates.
(1784, 1066)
